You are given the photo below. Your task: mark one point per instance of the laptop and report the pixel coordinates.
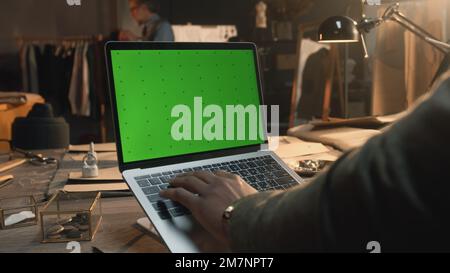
(151, 85)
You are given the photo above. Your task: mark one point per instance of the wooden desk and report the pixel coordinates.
(118, 232)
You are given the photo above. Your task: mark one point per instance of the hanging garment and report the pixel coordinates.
(94, 97)
(79, 83)
(75, 80)
(85, 109)
(308, 48)
(313, 83)
(66, 66)
(54, 78)
(24, 66)
(33, 70)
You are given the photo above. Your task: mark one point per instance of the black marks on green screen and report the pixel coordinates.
(219, 78)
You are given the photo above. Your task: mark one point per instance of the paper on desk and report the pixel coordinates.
(100, 147)
(96, 187)
(109, 179)
(361, 122)
(19, 217)
(392, 118)
(293, 147)
(343, 138)
(106, 175)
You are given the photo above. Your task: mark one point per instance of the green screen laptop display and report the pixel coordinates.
(150, 83)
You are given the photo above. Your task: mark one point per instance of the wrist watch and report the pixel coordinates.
(226, 216)
(228, 212)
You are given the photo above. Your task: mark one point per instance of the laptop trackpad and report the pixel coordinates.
(201, 238)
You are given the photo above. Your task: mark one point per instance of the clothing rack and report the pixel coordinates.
(69, 42)
(58, 40)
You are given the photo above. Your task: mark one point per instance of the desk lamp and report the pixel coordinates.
(343, 29)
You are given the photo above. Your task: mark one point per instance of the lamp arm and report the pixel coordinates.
(392, 13)
(417, 27)
(434, 41)
(417, 30)
(363, 41)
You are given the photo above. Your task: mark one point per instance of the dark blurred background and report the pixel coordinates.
(278, 48)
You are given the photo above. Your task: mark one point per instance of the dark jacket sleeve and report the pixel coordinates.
(394, 190)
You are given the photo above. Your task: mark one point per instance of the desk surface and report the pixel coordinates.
(118, 231)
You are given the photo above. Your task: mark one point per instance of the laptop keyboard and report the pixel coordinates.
(263, 173)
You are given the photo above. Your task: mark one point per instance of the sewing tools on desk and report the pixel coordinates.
(36, 158)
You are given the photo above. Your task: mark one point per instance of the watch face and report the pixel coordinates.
(227, 212)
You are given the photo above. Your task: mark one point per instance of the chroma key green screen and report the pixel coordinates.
(149, 83)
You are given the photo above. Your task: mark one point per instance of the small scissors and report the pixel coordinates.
(35, 158)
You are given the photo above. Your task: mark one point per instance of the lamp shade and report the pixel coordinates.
(339, 29)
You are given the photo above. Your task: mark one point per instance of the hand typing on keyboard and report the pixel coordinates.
(207, 195)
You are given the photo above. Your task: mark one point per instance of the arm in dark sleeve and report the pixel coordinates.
(394, 190)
